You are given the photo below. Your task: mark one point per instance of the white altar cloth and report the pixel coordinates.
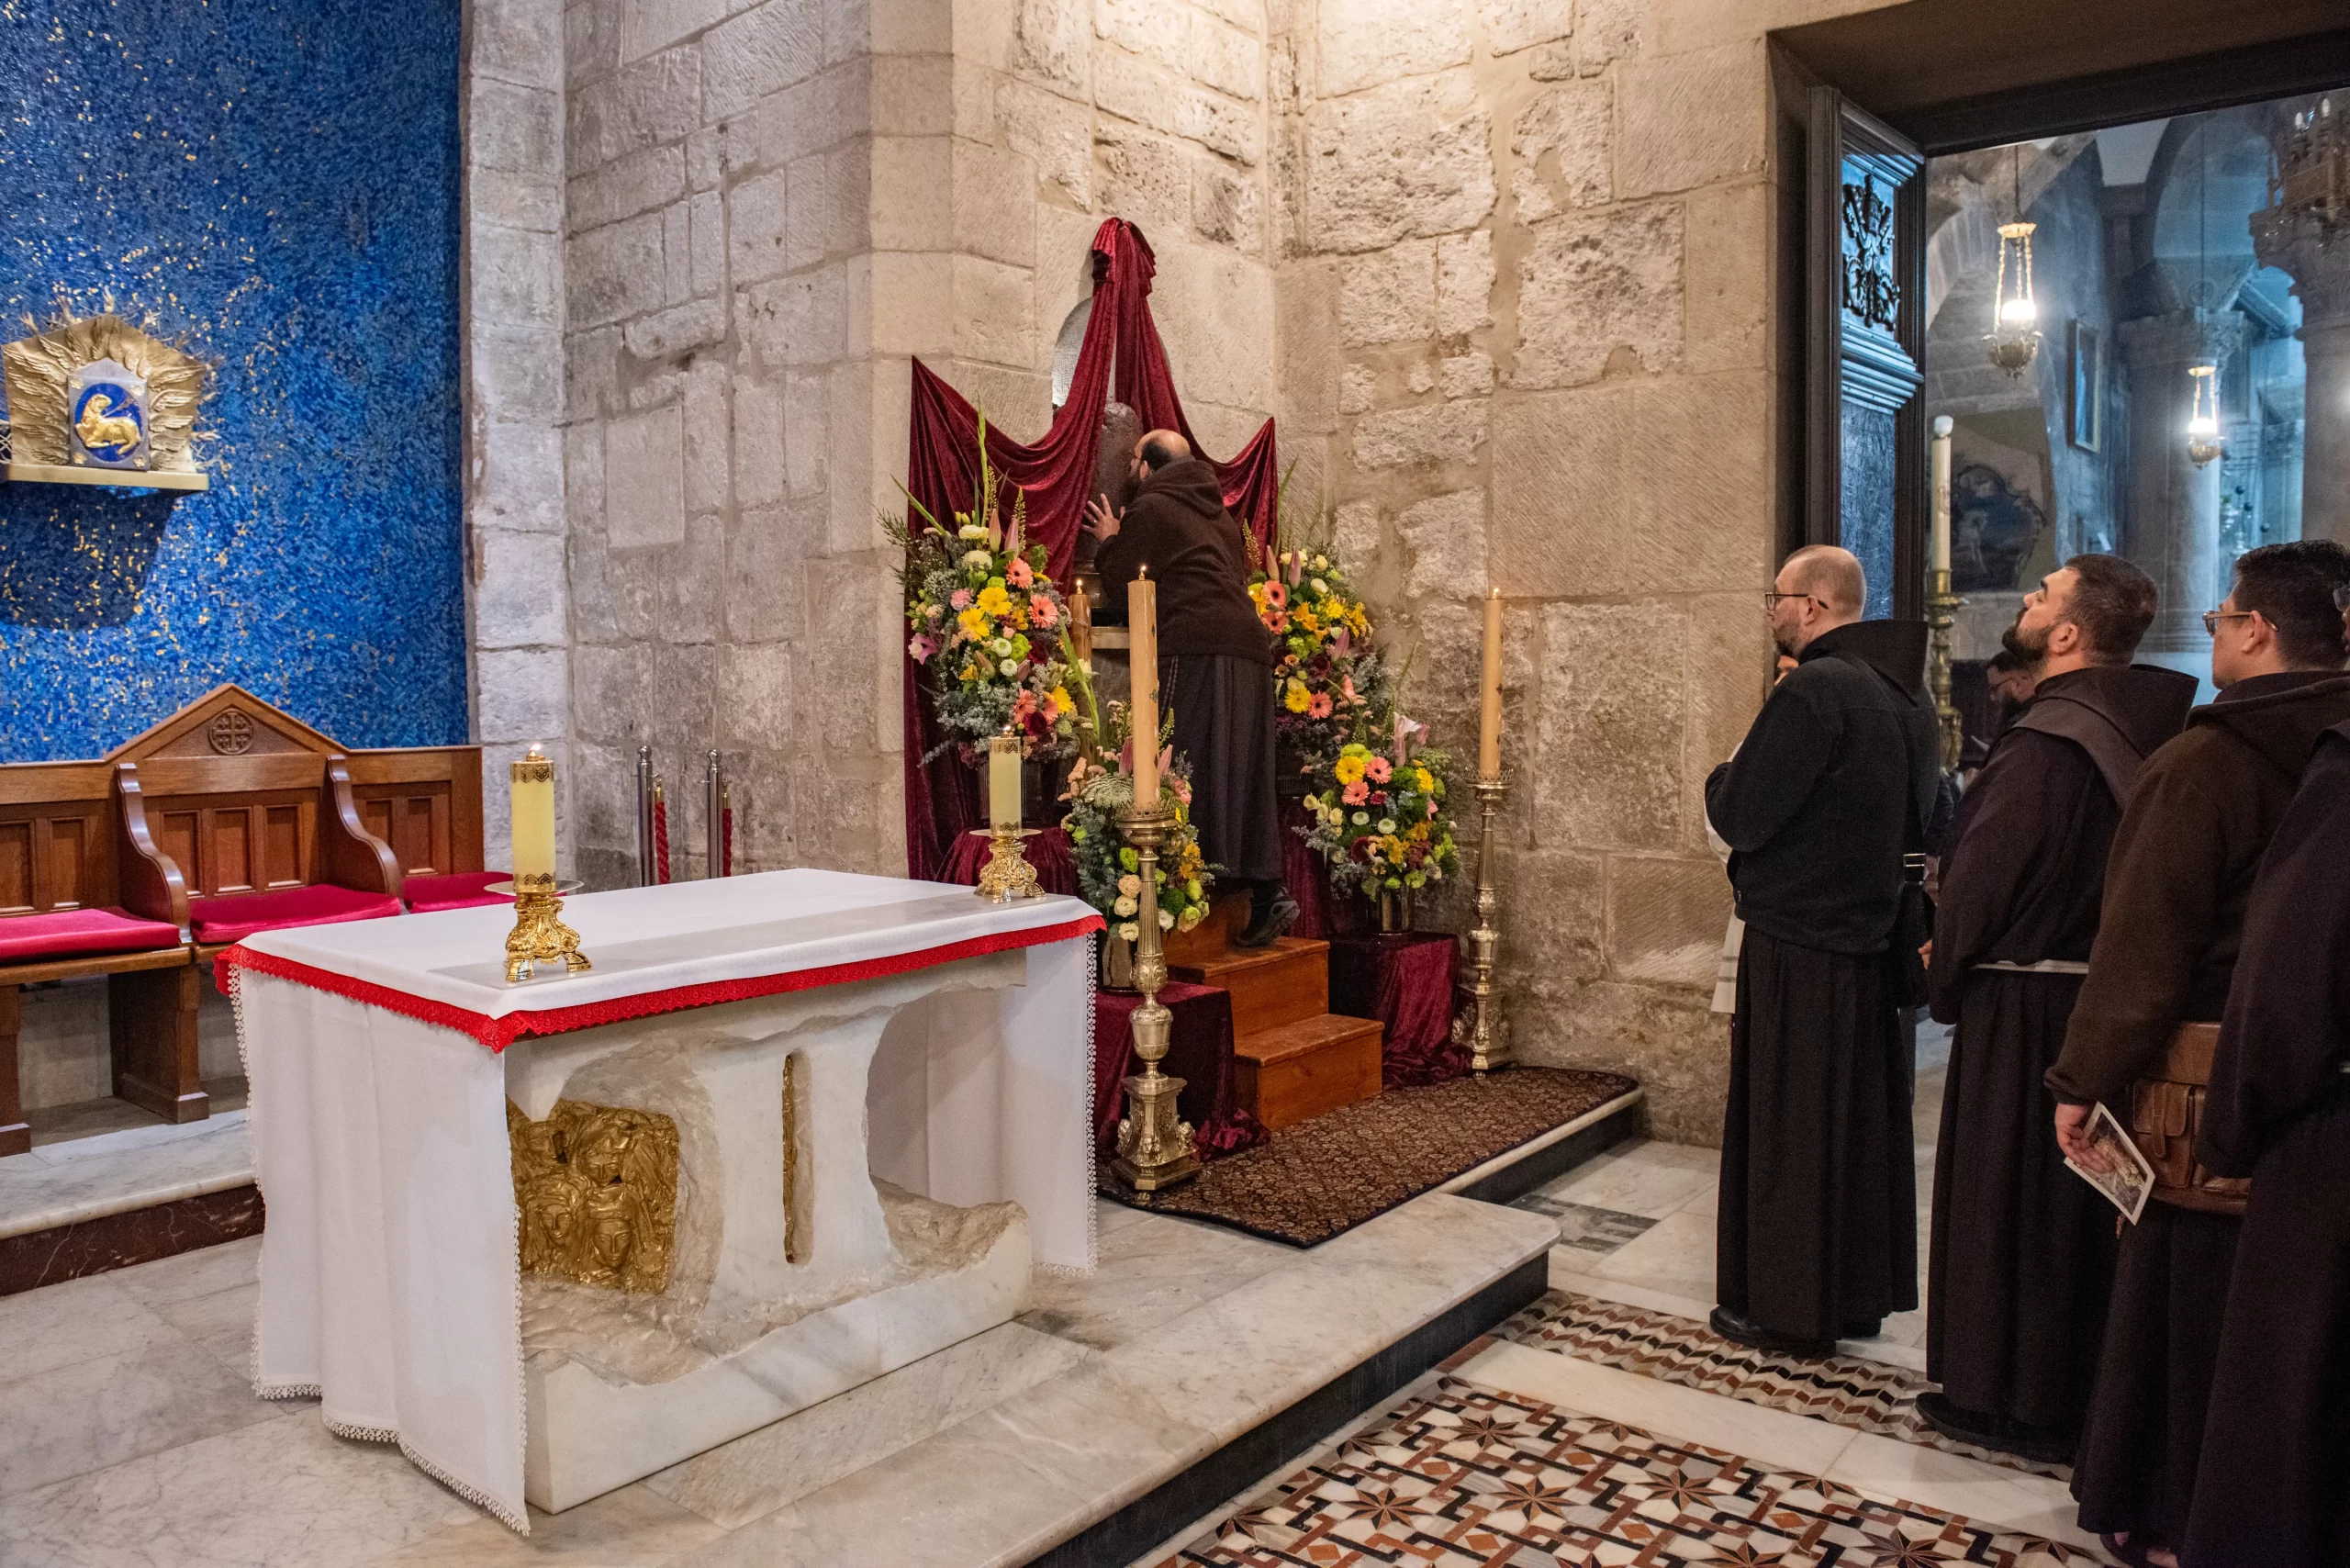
(389, 1265)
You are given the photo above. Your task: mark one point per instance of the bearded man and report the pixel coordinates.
(2176, 888)
(1828, 796)
(1216, 662)
(2021, 1258)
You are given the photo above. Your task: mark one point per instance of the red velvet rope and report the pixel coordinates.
(660, 840)
(500, 1033)
(726, 842)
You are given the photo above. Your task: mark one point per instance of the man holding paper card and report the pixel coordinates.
(2141, 1037)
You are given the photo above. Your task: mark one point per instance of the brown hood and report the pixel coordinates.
(1190, 484)
(2283, 723)
(2146, 702)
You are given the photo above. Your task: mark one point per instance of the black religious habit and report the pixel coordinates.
(1818, 1232)
(2021, 1260)
(2176, 887)
(1216, 660)
(2269, 1489)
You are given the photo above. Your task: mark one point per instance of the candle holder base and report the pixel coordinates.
(1007, 877)
(1155, 1147)
(540, 935)
(1482, 1028)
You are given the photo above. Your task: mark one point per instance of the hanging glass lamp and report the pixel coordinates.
(2203, 442)
(2015, 334)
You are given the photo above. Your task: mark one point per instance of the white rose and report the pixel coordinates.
(970, 531)
(1362, 818)
(1126, 906)
(1010, 666)
(978, 558)
(1321, 563)
(1130, 885)
(1130, 932)
(1387, 825)
(1321, 589)
(1166, 921)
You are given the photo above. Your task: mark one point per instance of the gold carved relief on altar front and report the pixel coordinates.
(597, 1189)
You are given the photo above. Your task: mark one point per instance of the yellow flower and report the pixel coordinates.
(1427, 781)
(1057, 702)
(1303, 620)
(994, 600)
(1297, 699)
(1348, 770)
(974, 625)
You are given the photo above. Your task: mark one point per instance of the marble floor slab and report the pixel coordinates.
(134, 1167)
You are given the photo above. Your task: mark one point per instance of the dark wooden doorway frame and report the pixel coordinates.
(2194, 83)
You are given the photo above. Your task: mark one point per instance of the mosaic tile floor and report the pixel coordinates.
(1868, 1396)
(1468, 1477)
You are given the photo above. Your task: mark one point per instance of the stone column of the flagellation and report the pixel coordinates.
(2174, 516)
(2295, 243)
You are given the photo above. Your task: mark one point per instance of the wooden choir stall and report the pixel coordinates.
(227, 818)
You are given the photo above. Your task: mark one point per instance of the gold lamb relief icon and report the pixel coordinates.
(596, 1190)
(101, 427)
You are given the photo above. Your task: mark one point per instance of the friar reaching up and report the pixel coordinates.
(1215, 662)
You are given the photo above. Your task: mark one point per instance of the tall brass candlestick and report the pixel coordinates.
(1155, 1149)
(1480, 1028)
(1941, 605)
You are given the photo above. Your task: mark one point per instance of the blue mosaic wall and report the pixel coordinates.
(274, 186)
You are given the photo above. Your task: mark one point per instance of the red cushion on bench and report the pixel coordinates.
(81, 934)
(459, 889)
(233, 917)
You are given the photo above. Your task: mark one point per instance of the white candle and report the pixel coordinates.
(1142, 623)
(532, 786)
(1941, 560)
(1004, 780)
(1489, 717)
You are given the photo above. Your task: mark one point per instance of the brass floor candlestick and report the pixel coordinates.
(1007, 875)
(1481, 1030)
(1941, 613)
(540, 935)
(1155, 1149)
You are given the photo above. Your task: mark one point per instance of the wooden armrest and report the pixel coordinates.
(352, 857)
(148, 881)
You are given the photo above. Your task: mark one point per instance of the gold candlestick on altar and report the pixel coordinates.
(539, 936)
(1480, 1028)
(1007, 875)
(1155, 1150)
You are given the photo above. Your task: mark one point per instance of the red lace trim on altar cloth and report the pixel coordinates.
(501, 1032)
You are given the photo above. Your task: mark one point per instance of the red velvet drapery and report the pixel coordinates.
(942, 464)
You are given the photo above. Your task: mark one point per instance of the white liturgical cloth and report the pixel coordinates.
(389, 1266)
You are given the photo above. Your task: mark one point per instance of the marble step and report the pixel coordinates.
(1285, 983)
(1303, 1069)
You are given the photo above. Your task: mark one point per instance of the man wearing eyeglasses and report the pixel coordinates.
(1817, 1237)
(2142, 1037)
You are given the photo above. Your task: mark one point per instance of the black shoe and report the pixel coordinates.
(1744, 1331)
(1866, 1329)
(1270, 924)
(2042, 1445)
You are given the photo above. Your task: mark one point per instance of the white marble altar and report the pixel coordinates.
(751, 1013)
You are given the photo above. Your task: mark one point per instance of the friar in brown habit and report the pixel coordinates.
(1818, 1232)
(2175, 890)
(2022, 1257)
(2269, 1489)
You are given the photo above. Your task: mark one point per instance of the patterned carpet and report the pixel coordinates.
(1466, 1478)
(1319, 1177)
(1868, 1396)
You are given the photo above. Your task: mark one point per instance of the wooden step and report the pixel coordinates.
(1210, 939)
(1270, 986)
(1301, 1070)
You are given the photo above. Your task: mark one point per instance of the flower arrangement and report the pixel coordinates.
(1326, 676)
(1380, 819)
(1109, 871)
(987, 623)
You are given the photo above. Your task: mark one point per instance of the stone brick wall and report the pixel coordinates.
(769, 208)
(1525, 261)
(511, 285)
